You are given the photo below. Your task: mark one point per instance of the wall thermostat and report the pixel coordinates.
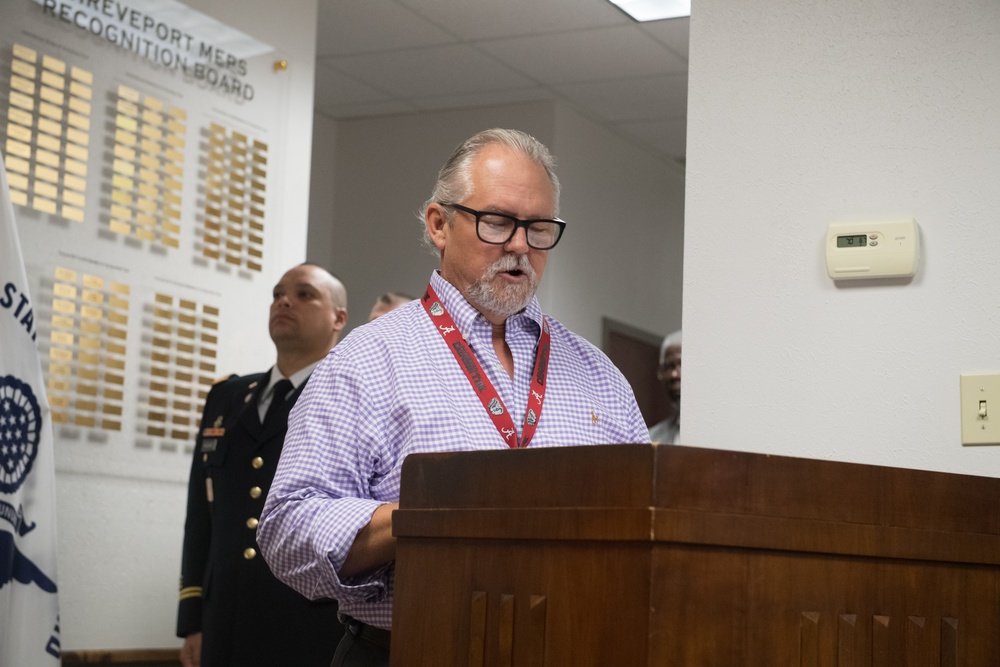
(872, 249)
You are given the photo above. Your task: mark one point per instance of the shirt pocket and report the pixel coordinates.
(602, 422)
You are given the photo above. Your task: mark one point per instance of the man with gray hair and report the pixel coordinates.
(473, 364)
(669, 373)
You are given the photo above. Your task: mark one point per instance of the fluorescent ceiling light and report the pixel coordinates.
(654, 10)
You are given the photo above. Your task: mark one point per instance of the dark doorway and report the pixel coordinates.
(636, 353)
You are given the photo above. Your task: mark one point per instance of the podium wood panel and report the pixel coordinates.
(624, 555)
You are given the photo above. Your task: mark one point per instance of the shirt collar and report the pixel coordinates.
(465, 315)
(297, 378)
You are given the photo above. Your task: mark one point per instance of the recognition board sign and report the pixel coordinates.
(137, 135)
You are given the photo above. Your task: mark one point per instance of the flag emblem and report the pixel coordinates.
(20, 430)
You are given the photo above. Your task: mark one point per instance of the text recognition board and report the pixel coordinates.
(137, 140)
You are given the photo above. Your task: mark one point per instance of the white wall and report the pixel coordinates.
(623, 256)
(321, 233)
(621, 253)
(119, 561)
(120, 535)
(853, 110)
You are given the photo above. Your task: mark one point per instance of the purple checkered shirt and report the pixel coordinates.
(393, 388)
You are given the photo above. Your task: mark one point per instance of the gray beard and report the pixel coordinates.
(504, 301)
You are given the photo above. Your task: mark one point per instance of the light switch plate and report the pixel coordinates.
(980, 392)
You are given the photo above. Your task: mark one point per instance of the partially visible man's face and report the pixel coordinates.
(379, 309)
(303, 312)
(670, 371)
(382, 307)
(498, 280)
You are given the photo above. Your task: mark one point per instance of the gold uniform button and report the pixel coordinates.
(255, 492)
(249, 553)
(252, 523)
(257, 462)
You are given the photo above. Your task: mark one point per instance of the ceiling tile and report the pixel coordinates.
(333, 87)
(658, 97)
(587, 55)
(666, 136)
(362, 26)
(378, 57)
(366, 109)
(430, 71)
(672, 33)
(508, 18)
(484, 98)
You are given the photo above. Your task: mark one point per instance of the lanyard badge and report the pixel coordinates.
(481, 384)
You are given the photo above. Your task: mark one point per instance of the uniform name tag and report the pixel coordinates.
(209, 445)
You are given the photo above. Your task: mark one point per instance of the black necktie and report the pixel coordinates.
(281, 389)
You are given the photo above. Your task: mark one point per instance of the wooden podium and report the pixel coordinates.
(657, 555)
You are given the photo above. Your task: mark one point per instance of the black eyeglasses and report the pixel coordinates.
(498, 229)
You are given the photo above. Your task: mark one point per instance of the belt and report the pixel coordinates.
(369, 633)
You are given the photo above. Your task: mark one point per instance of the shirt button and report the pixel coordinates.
(252, 523)
(255, 492)
(257, 462)
(249, 553)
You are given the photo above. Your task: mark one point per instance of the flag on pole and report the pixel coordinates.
(29, 603)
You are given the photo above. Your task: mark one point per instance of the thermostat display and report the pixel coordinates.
(852, 241)
(872, 249)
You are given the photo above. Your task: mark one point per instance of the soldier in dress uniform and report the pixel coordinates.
(232, 610)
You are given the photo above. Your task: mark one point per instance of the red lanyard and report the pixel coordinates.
(484, 389)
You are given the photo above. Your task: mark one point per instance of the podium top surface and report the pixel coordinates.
(701, 496)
